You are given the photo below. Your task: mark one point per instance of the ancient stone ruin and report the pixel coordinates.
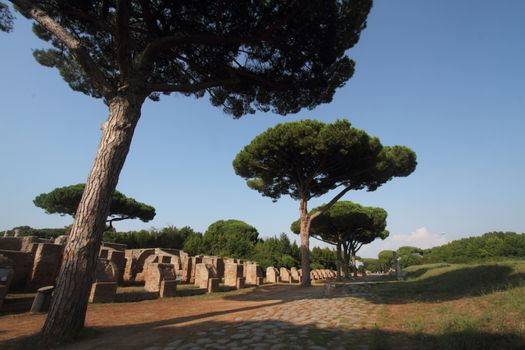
(272, 275)
(285, 275)
(31, 263)
(232, 271)
(294, 274)
(254, 274)
(160, 277)
(203, 272)
(104, 289)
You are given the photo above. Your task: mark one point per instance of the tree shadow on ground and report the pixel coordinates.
(272, 334)
(450, 285)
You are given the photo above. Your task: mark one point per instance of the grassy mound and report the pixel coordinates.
(455, 306)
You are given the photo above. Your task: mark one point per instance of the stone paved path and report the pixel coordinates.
(323, 318)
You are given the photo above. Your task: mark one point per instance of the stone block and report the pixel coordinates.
(193, 262)
(240, 283)
(171, 256)
(203, 272)
(6, 276)
(42, 299)
(103, 253)
(245, 268)
(186, 267)
(294, 273)
(135, 259)
(62, 239)
(284, 273)
(253, 271)
(232, 271)
(105, 271)
(213, 285)
(272, 275)
(6, 271)
(155, 273)
(103, 292)
(168, 288)
(3, 293)
(217, 262)
(46, 265)
(117, 246)
(28, 241)
(22, 266)
(11, 243)
(119, 259)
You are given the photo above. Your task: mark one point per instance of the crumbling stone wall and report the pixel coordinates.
(272, 274)
(135, 259)
(232, 271)
(22, 266)
(117, 257)
(46, 265)
(203, 272)
(194, 261)
(253, 272)
(155, 273)
(217, 262)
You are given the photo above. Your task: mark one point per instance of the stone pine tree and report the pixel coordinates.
(6, 18)
(245, 55)
(65, 200)
(232, 238)
(308, 158)
(348, 226)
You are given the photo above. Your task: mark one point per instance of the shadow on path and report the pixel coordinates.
(269, 334)
(451, 285)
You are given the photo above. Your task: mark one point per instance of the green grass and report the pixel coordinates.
(452, 281)
(456, 306)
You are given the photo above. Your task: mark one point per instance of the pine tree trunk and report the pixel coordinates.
(354, 261)
(68, 309)
(305, 244)
(346, 261)
(338, 261)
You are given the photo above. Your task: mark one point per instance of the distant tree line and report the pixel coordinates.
(46, 233)
(167, 237)
(490, 246)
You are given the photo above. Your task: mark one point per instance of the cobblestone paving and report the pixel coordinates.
(329, 318)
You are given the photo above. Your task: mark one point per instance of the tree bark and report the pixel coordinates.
(354, 267)
(338, 261)
(68, 308)
(346, 261)
(305, 243)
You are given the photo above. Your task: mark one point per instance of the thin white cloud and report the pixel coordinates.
(421, 238)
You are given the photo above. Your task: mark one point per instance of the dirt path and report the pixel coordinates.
(269, 317)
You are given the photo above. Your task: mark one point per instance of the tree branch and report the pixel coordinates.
(150, 22)
(331, 203)
(74, 46)
(120, 218)
(164, 43)
(122, 38)
(188, 88)
(322, 240)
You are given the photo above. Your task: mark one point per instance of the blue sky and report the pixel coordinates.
(445, 78)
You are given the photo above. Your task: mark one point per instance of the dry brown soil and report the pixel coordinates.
(140, 325)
